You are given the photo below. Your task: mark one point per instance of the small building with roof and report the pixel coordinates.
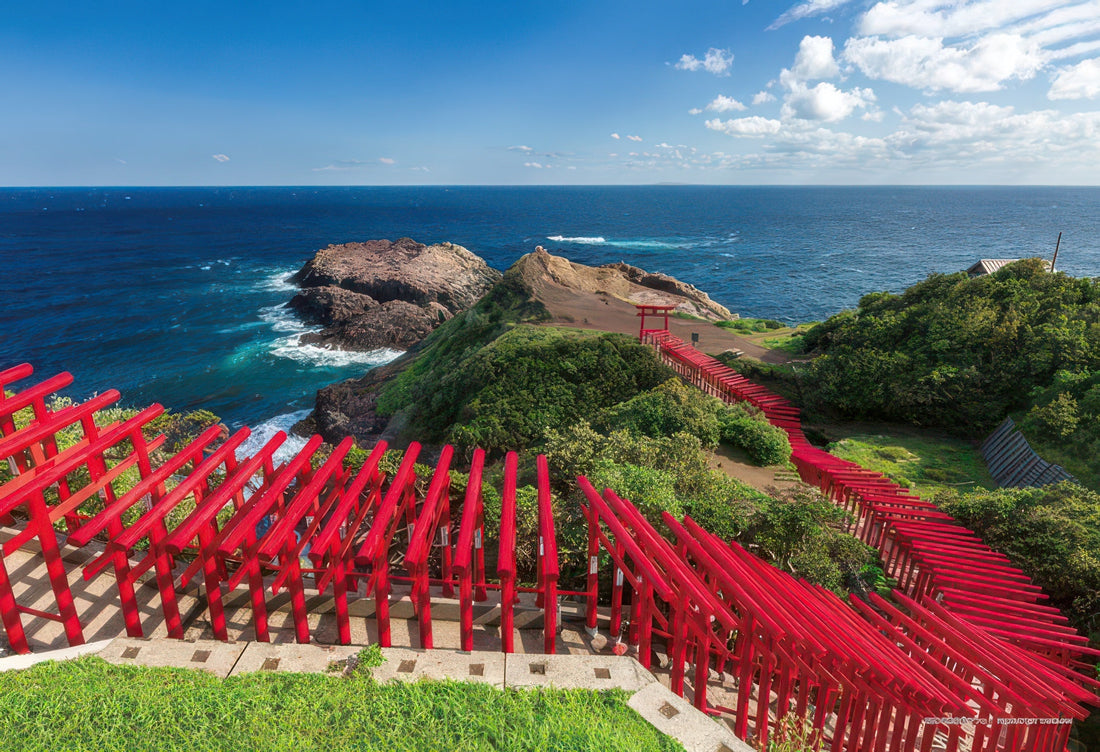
(988, 266)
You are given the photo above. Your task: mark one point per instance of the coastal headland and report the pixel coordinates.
(394, 294)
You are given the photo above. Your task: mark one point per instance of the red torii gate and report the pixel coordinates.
(652, 310)
(874, 674)
(344, 522)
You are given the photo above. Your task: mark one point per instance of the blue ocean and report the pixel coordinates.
(176, 295)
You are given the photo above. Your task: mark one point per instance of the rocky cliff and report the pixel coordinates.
(387, 294)
(549, 276)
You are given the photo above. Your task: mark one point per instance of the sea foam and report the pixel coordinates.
(281, 319)
(280, 281)
(329, 357)
(581, 240)
(636, 244)
(263, 432)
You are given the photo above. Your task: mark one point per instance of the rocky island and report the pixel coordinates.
(383, 294)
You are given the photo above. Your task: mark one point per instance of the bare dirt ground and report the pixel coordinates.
(735, 464)
(583, 310)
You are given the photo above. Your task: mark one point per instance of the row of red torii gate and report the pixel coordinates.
(963, 655)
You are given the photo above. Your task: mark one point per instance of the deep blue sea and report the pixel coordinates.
(176, 295)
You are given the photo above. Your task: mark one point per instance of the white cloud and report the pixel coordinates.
(520, 148)
(806, 9)
(762, 97)
(387, 160)
(1081, 81)
(958, 18)
(754, 126)
(815, 59)
(633, 138)
(695, 111)
(220, 157)
(723, 103)
(420, 169)
(825, 102)
(615, 136)
(715, 61)
(926, 63)
(536, 165)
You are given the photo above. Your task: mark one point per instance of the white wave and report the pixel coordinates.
(637, 244)
(280, 281)
(645, 244)
(580, 240)
(283, 319)
(329, 357)
(262, 433)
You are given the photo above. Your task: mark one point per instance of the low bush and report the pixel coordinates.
(766, 444)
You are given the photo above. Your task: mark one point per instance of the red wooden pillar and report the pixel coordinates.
(593, 584)
(9, 612)
(506, 566)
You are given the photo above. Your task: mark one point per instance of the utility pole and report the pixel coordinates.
(1055, 259)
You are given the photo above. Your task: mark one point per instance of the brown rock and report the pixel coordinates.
(628, 283)
(329, 305)
(387, 294)
(444, 273)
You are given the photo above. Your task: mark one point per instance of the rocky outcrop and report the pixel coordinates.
(541, 271)
(387, 294)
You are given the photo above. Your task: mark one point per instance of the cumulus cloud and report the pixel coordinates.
(1081, 81)
(220, 157)
(806, 9)
(695, 111)
(387, 160)
(716, 61)
(815, 60)
(536, 165)
(722, 103)
(754, 126)
(926, 63)
(615, 136)
(633, 138)
(762, 97)
(825, 102)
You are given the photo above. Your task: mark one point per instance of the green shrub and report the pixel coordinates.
(956, 352)
(766, 444)
(670, 408)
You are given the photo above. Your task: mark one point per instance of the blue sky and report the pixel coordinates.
(732, 92)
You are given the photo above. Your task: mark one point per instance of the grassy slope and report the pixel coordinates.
(925, 463)
(90, 704)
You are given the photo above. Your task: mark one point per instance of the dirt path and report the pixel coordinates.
(735, 464)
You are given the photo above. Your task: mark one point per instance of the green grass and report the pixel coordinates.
(769, 333)
(89, 704)
(924, 464)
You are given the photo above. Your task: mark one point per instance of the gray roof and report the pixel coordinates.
(988, 266)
